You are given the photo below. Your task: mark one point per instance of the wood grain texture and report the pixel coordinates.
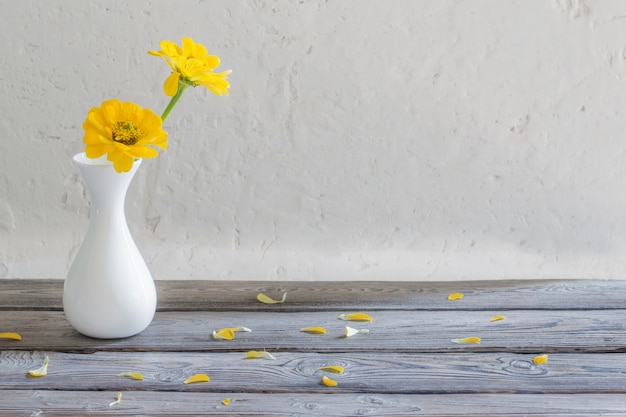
(23, 403)
(406, 365)
(329, 296)
(396, 331)
(388, 373)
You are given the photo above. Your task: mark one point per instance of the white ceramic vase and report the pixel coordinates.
(109, 292)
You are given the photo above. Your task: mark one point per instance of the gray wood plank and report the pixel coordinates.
(382, 373)
(421, 331)
(142, 403)
(317, 296)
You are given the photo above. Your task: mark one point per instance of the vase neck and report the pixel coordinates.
(107, 187)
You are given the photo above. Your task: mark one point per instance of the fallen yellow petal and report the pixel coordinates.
(540, 359)
(455, 296)
(351, 331)
(118, 399)
(226, 401)
(313, 330)
(132, 375)
(253, 354)
(197, 378)
(497, 318)
(467, 340)
(329, 382)
(224, 334)
(267, 300)
(355, 317)
(43, 371)
(336, 369)
(10, 335)
(228, 333)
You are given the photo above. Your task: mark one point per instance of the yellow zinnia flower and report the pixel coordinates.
(124, 131)
(192, 66)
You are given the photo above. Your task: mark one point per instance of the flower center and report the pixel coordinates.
(126, 133)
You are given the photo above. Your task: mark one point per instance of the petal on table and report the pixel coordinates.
(254, 354)
(268, 300)
(118, 399)
(356, 317)
(10, 335)
(329, 382)
(350, 331)
(313, 330)
(336, 369)
(132, 375)
(193, 379)
(43, 371)
(467, 340)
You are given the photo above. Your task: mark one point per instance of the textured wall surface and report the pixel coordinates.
(362, 140)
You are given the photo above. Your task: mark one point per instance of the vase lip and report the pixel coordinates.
(82, 159)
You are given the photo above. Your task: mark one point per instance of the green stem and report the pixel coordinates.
(174, 100)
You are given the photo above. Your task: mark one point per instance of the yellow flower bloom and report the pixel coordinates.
(540, 359)
(226, 401)
(124, 131)
(191, 66)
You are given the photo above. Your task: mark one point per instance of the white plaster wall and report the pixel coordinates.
(362, 140)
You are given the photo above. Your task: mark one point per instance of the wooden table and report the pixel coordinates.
(406, 365)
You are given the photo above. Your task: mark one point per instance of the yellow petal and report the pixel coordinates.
(355, 317)
(132, 375)
(224, 334)
(228, 333)
(467, 340)
(118, 399)
(197, 378)
(540, 359)
(329, 382)
(267, 300)
(313, 330)
(497, 318)
(455, 296)
(336, 369)
(253, 354)
(351, 331)
(43, 371)
(226, 401)
(10, 335)
(170, 87)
